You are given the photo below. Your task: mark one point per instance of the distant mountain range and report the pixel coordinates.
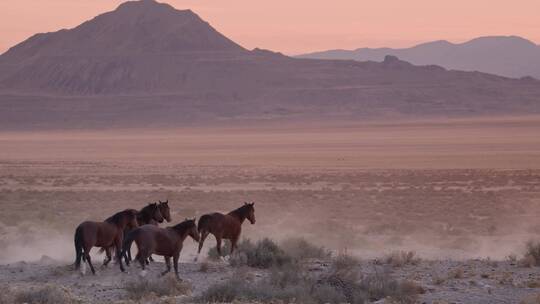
(508, 56)
(149, 64)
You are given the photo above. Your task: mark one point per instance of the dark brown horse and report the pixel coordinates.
(225, 226)
(166, 242)
(107, 234)
(152, 214)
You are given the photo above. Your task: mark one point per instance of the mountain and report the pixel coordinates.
(149, 64)
(506, 56)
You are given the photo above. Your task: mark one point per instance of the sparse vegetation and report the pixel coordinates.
(300, 249)
(264, 253)
(49, 294)
(292, 284)
(532, 255)
(402, 258)
(166, 286)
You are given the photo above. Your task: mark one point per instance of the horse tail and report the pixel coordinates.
(78, 240)
(203, 224)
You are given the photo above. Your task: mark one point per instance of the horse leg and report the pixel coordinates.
(233, 245)
(150, 258)
(204, 234)
(118, 245)
(218, 246)
(89, 260)
(108, 257)
(168, 263)
(175, 262)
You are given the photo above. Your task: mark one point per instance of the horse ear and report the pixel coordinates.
(252, 203)
(245, 203)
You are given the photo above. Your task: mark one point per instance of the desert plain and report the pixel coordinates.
(461, 195)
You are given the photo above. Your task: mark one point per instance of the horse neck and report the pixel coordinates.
(144, 215)
(239, 214)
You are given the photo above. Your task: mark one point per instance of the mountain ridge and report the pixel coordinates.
(146, 63)
(509, 56)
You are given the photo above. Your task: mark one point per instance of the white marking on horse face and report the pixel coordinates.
(83, 268)
(143, 273)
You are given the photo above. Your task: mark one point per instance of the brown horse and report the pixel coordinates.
(225, 226)
(107, 234)
(152, 214)
(166, 242)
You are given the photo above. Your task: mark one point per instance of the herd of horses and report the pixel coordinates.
(121, 230)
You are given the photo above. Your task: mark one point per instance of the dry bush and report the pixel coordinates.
(294, 285)
(168, 285)
(456, 273)
(49, 294)
(402, 258)
(300, 249)
(344, 261)
(383, 286)
(531, 299)
(263, 254)
(6, 295)
(532, 255)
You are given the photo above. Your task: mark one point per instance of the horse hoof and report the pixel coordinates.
(143, 273)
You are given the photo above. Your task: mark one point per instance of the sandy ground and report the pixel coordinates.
(455, 192)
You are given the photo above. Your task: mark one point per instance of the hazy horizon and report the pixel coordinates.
(303, 26)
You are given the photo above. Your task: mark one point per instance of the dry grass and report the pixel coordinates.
(300, 249)
(168, 285)
(49, 294)
(531, 257)
(292, 284)
(531, 299)
(402, 258)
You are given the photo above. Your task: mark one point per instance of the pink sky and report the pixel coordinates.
(299, 26)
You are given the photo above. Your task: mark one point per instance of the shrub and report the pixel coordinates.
(165, 286)
(300, 249)
(50, 294)
(293, 285)
(531, 299)
(532, 254)
(6, 295)
(402, 258)
(343, 261)
(263, 254)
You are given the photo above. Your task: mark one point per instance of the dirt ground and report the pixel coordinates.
(461, 194)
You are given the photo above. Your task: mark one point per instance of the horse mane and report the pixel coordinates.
(145, 213)
(241, 212)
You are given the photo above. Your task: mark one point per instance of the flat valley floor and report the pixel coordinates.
(462, 194)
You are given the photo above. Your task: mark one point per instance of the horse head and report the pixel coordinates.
(250, 212)
(165, 210)
(155, 213)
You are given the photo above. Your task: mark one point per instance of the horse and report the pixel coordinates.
(106, 234)
(166, 242)
(225, 226)
(152, 214)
